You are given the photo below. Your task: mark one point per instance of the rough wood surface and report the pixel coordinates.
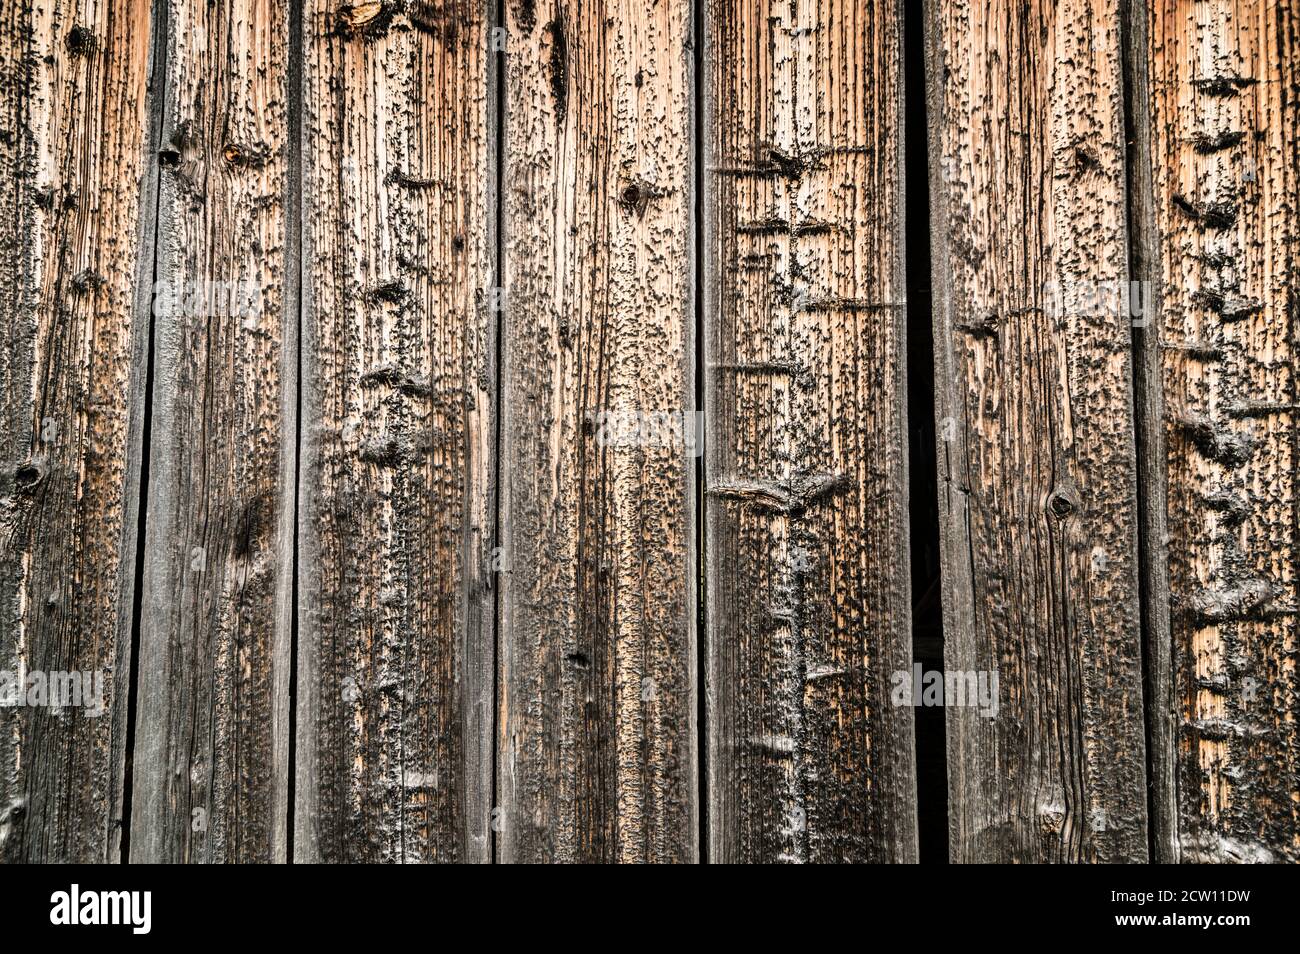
(596, 742)
(73, 128)
(268, 269)
(212, 722)
(1217, 209)
(808, 599)
(394, 701)
(1036, 451)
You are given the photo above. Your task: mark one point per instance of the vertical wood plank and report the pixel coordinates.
(1217, 211)
(597, 749)
(211, 764)
(393, 755)
(1036, 451)
(807, 530)
(73, 128)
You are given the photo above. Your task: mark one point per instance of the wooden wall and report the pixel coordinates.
(481, 431)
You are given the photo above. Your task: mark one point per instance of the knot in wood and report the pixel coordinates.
(29, 474)
(1061, 503)
(81, 42)
(635, 196)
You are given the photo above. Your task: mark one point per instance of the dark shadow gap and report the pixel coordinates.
(698, 239)
(923, 490)
(294, 269)
(157, 112)
(1132, 38)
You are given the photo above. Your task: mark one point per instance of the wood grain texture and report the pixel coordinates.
(807, 534)
(396, 533)
(596, 738)
(1037, 471)
(212, 726)
(73, 128)
(1217, 210)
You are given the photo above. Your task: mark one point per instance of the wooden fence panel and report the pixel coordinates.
(596, 731)
(394, 701)
(807, 541)
(1217, 214)
(74, 118)
(1036, 451)
(268, 270)
(211, 773)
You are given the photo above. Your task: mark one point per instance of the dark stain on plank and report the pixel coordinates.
(559, 68)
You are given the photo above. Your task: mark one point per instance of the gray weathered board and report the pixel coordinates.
(479, 432)
(1037, 468)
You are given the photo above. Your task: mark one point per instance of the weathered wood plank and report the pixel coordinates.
(807, 530)
(73, 130)
(1217, 216)
(211, 763)
(1036, 450)
(597, 748)
(393, 756)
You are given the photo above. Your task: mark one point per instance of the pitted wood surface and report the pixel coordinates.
(73, 254)
(212, 723)
(1219, 225)
(470, 432)
(596, 739)
(807, 569)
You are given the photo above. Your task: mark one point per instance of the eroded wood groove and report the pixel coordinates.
(807, 550)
